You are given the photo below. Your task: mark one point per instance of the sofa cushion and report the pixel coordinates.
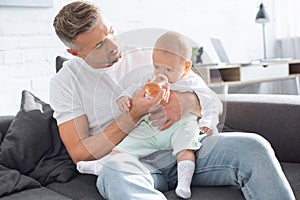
(292, 173)
(32, 144)
(12, 181)
(83, 186)
(36, 194)
(215, 193)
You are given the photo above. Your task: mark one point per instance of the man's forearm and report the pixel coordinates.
(110, 137)
(120, 128)
(178, 105)
(102, 143)
(189, 103)
(195, 105)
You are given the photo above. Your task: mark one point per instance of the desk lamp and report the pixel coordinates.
(262, 18)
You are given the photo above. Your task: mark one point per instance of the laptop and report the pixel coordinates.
(218, 46)
(220, 50)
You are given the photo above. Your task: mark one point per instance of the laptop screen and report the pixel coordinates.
(220, 50)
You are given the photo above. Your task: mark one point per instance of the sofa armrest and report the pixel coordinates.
(5, 122)
(275, 117)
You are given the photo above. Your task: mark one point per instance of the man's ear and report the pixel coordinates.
(73, 52)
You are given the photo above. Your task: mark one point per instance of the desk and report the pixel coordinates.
(234, 75)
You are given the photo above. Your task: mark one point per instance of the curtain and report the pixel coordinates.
(287, 28)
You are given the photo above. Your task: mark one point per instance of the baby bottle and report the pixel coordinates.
(154, 86)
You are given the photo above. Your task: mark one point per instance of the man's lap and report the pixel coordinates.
(213, 161)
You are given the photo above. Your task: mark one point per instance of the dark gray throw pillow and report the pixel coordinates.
(1, 137)
(32, 144)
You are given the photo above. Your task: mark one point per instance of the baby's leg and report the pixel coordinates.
(94, 166)
(185, 171)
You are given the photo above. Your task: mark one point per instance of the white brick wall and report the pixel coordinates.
(28, 47)
(28, 44)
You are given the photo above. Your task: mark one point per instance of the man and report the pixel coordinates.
(81, 95)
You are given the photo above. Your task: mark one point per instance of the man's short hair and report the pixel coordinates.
(75, 18)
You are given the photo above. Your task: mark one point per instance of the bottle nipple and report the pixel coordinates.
(154, 87)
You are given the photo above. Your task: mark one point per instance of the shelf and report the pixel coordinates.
(217, 74)
(294, 67)
(245, 73)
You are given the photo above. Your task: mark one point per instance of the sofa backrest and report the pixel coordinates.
(275, 117)
(5, 122)
(59, 60)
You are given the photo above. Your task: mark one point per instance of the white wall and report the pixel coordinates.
(28, 44)
(232, 21)
(28, 47)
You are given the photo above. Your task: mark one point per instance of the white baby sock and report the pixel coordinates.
(91, 167)
(185, 171)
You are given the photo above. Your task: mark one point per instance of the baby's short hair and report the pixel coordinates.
(175, 43)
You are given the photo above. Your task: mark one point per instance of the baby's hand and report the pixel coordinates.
(124, 103)
(206, 130)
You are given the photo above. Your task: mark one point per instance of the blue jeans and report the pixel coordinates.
(242, 159)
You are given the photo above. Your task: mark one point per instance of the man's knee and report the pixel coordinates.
(252, 149)
(123, 162)
(236, 145)
(256, 145)
(126, 170)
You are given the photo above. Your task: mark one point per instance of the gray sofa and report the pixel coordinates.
(274, 117)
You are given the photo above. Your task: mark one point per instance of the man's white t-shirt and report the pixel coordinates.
(78, 89)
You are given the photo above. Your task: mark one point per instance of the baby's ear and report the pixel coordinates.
(188, 65)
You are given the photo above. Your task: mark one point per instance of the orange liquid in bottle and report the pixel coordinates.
(152, 89)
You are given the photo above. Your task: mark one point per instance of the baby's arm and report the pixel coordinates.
(124, 103)
(210, 104)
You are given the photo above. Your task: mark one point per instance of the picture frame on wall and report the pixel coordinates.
(27, 3)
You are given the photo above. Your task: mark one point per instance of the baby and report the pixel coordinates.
(171, 60)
